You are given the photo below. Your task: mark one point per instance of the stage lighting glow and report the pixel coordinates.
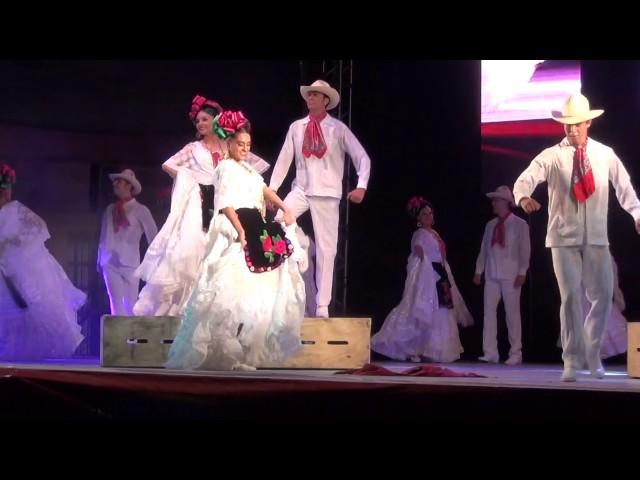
(514, 90)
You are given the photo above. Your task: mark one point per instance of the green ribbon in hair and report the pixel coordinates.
(218, 130)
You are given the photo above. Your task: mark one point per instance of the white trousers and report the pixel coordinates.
(574, 267)
(325, 215)
(494, 291)
(122, 287)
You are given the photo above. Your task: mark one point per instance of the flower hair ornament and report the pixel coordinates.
(228, 122)
(415, 205)
(7, 176)
(199, 103)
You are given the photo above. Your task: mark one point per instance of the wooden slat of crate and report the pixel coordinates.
(136, 341)
(332, 343)
(633, 349)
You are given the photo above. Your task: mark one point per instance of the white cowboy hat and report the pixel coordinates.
(130, 177)
(324, 88)
(575, 110)
(502, 192)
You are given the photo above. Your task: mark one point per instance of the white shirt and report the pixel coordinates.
(237, 185)
(197, 162)
(429, 244)
(20, 228)
(122, 249)
(572, 223)
(506, 263)
(321, 177)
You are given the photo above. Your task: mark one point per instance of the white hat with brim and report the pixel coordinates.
(504, 193)
(575, 110)
(324, 88)
(130, 177)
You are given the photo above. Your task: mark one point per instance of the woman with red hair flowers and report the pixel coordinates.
(424, 325)
(38, 303)
(248, 303)
(172, 261)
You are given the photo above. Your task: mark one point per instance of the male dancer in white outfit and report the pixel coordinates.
(119, 250)
(319, 143)
(504, 259)
(578, 171)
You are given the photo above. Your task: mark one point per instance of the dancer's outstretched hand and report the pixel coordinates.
(288, 218)
(529, 205)
(270, 205)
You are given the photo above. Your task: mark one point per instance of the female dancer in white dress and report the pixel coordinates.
(614, 339)
(248, 303)
(38, 303)
(424, 324)
(172, 261)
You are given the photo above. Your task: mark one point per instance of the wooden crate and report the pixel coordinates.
(633, 349)
(332, 343)
(136, 341)
(327, 343)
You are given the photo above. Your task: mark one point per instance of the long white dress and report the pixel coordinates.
(418, 326)
(236, 318)
(38, 303)
(173, 260)
(614, 338)
(614, 341)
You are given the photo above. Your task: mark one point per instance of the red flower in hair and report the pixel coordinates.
(7, 175)
(198, 103)
(230, 121)
(415, 202)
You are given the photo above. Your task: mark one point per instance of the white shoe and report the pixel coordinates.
(415, 359)
(488, 359)
(513, 361)
(243, 367)
(322, 312)
(568, 375)
(596, 368)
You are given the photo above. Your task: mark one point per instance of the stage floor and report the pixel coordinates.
(529, 376)
(80, 389)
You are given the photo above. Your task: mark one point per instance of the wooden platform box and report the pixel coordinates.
(633, 349)
(327, 343)
(332, 343)
(136, 341)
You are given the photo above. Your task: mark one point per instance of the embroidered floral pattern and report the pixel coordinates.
(268, 245)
